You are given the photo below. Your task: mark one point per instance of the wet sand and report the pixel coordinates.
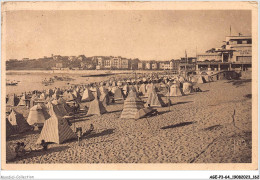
(198, 129)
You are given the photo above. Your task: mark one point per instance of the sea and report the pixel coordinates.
(32, 80)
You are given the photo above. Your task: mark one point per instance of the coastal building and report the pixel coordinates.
(141, 65)
(116, 62)
(107, 63)
(209, 57)
(125, 63)
(235, 54)
(148, 65)
(134, 63)
(155, 66)
(100, 63)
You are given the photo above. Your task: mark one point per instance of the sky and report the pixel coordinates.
(147, 35)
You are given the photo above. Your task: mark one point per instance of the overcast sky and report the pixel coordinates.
(147, 35)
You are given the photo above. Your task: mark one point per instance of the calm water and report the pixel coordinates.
(33, 81)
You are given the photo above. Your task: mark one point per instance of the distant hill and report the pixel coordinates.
(48, 63)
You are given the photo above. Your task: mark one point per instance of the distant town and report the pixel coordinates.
(234, 54)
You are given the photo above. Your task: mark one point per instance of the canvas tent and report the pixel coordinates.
(56, 129)
(23, 100)
(18, 122)
(132, 105)
(13, 100)
(174, 91)
(153, 99)
(118, 95)
(36, 116)
(96, 107)
(87, 95)
(187, 88)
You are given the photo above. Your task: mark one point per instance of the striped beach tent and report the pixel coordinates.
(56, 129)
(65, 105)
(132, 105)
(36, 116)
(53, 110)
(60, 108)
(18, 122)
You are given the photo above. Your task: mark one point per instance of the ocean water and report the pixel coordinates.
(33, 81)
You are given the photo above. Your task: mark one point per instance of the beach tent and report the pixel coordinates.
(23, 100)
(13, 100)
(33, 98)
(142, 89)
(103, 90)
(201, 80)
(118, 95)
(174, 91)
(132, 105)
(60, 107)
(18, 122)
(56, 129)
(9, 128)
(104, 97)
(96, 107)
(95, 91)
(65, 105)
(53, 109)
(76, 95)
(87, 95)
(125, 89)
(187, 88)
(36, 116)
(153, 99)
(45, 110)
(10, 154)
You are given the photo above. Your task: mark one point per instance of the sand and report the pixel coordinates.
(198, 128)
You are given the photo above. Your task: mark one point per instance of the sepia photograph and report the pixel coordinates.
(119, 84)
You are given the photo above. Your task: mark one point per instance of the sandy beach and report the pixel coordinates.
(198, 128)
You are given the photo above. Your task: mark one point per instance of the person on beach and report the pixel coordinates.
(79, 134)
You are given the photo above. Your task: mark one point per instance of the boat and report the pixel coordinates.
(11, 83)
